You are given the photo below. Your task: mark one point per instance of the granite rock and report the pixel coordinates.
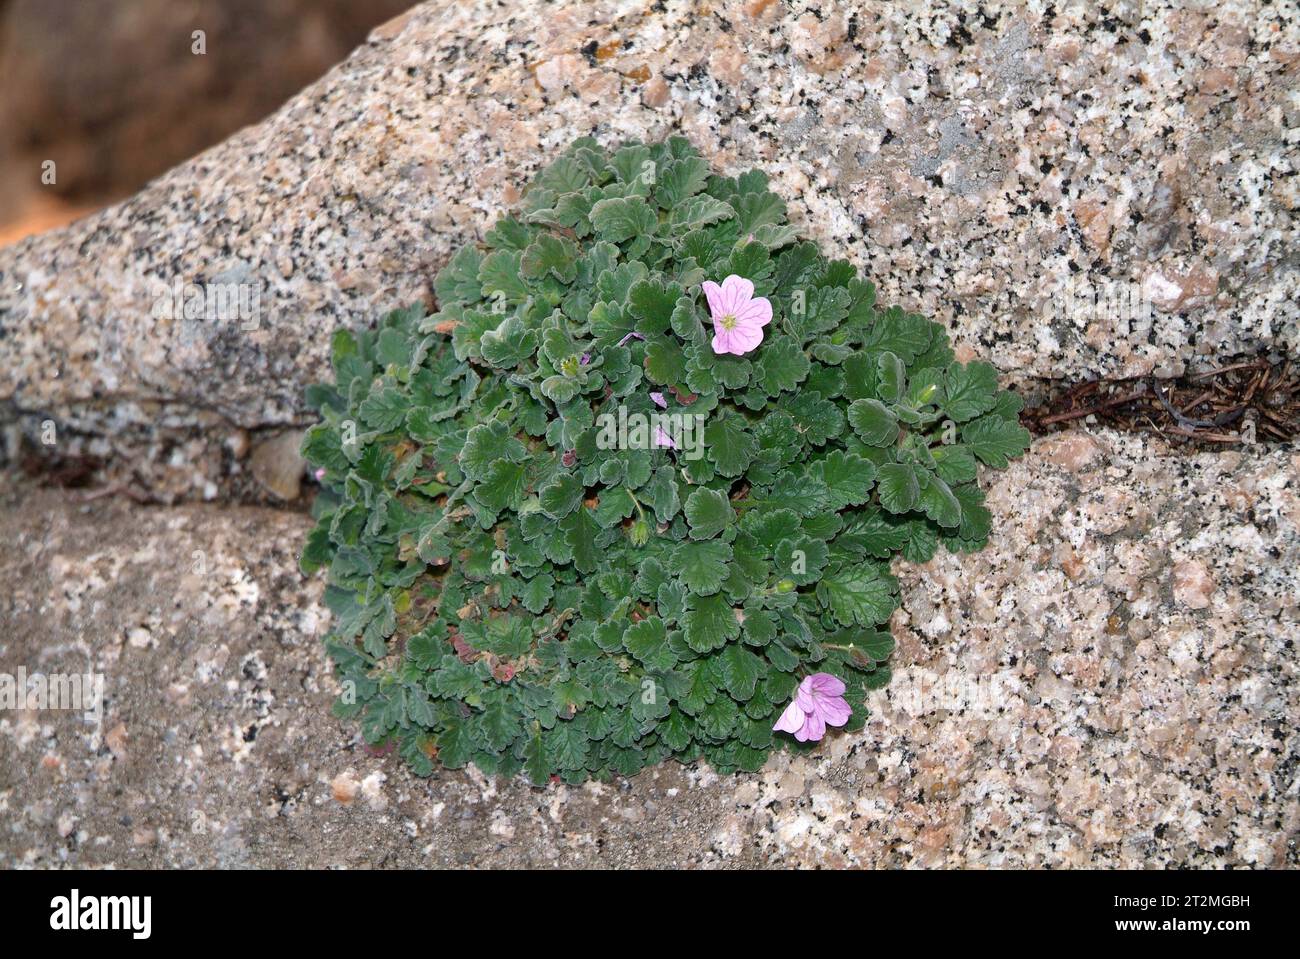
(1073, 192)
(1112, 682)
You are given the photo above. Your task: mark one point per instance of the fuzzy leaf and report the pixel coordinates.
(620, 219)
(874, 422)
(970, 390)
(648, 642)
(862, 595)
(702, 566)
(995, 440)
(899, 487)
(709, 623)
(708, 512)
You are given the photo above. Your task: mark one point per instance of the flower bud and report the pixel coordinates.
(639, 533)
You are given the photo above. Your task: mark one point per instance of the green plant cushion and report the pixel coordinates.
(564, 535)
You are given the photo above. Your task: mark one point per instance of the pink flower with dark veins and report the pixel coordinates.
(659, 400)
(818, 702)
(738, 315)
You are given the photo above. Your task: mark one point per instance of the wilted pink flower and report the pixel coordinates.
(659, 400)
(634, 335)
(738, 315)
(584, 359)
(818, 702)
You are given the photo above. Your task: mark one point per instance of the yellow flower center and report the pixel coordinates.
(728, 321)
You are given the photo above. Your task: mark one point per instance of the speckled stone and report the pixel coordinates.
(1112, 682)
(972, 159)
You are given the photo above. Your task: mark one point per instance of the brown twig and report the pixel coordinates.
(1248, 365)
(1097, 408)
(1202, 435)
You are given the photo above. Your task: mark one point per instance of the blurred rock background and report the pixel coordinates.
(115, 93)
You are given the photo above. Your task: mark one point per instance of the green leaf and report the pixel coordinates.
(537, 592)
(652, 303)
(759, 627)
(891, 378)
(648, 642)
(971, 390)
(664, 363)
(580, 530)
(816, 417)
(456, 680)
(698, 211)
(740, 671)
(899, 487)
(561, 496)
(781, 365)
(507, 636)
(509, 344)
(567, 745)
(503, 486)
(995, 440)
(801, 559)
(702, 566)
(937, 501)
(632, 163)
(487, 443)
(954, 464)
(498, 726)
(552, 254)
(679, 180)
(709, 623)
(730, 446)
(862, 595)
(674, 732)
(976, 520)
(848, 478)
(719, 718)
(904, 335)
(458, 281)
(757, 210)
(708, 512)
(499, 273)
(537, 764)
(871, 646)
(619, 219)
(615, 506)
(660, 493)
(874, 422)
(384, 409)
(559, 389)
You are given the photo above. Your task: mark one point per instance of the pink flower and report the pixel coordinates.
(738, 315)
(663, 439)
(319, 474)
(659, 400)
(818, 702)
